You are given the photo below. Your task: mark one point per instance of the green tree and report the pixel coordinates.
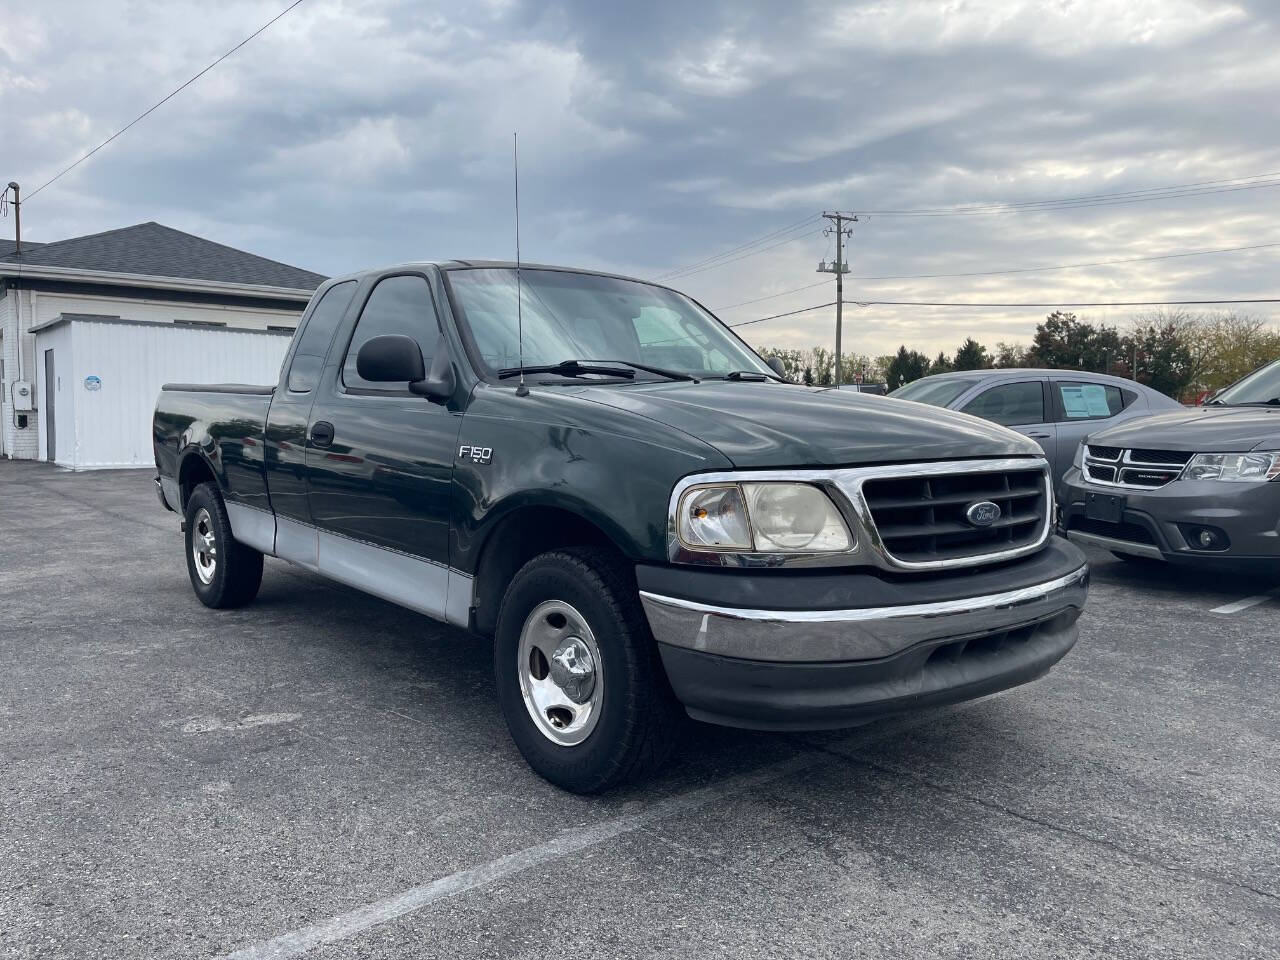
(1063, 341)
(1011, 355)
(906, 365)
(971, 355)
(941, 364)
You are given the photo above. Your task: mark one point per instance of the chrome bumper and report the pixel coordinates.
(857, 634)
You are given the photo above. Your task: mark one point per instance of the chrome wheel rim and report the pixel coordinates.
(561, 674)
(204, 546)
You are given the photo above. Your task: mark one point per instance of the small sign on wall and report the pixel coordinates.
(92, 382)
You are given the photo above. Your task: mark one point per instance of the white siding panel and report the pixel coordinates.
(50, 305)
(59, 341)
(113, 424)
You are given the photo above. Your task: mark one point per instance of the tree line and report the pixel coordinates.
(1181, 353)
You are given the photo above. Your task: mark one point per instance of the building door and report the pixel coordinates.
(50, 388)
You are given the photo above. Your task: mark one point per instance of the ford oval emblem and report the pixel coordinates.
(983, 513)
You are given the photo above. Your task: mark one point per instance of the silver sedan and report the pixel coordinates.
(1056, 408)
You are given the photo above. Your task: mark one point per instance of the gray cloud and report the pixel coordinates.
(362, 132)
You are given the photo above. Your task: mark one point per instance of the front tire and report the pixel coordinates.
(579, 678)
(224, 572)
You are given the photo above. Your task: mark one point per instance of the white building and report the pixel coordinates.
(92, 326)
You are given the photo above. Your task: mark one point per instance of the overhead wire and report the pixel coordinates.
(155, 106)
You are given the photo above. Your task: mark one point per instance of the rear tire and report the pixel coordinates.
(224, 572)
(579, 678)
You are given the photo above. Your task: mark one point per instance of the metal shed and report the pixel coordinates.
(97, 378)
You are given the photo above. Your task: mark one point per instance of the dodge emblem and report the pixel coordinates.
(983, 513)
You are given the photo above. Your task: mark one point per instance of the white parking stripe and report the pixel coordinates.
(1246, 603)
(349, 924)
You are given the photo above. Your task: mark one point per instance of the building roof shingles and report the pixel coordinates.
(154, 250)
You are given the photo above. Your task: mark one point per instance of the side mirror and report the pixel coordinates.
(390, 359)
(777, 366)
(440, 383)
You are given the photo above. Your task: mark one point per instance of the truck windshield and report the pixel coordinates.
(584, 317)
(1260, 387)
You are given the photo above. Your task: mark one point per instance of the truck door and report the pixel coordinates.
(284, 443)
(1020, 405)
(379, 459)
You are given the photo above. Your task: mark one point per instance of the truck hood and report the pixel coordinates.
(1201, 430)
(782, 425)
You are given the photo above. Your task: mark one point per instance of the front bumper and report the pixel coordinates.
(815, 669)
(1157, 523)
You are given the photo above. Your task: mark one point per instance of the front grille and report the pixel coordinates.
(1139, 468)
(922, 519)
(1100, 473)
(1147, 478)
(1104, 453)
(1131, 532)
(1174, 457)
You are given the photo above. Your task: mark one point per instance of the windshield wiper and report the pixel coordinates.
(574, 368)
(566, 368)
(1273, 402)
(752, 376)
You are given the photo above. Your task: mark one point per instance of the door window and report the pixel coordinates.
(308, 358)
(1088, 401)
(398, 305)
(1010, 404)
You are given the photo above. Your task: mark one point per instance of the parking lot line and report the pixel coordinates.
(345, 925)
(1238, 605)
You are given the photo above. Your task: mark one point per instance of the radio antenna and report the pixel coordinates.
(521, 390)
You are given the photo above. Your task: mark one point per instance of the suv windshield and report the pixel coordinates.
(581, 316)
(1261, 386)
(937, 392)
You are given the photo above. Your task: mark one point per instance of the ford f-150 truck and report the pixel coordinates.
(644, 517)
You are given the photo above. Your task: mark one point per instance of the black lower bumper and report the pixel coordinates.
(814, 696)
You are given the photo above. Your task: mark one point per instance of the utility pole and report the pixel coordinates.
(17, 219)
(839, 268)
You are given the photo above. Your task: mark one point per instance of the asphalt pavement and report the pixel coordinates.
(323, 774)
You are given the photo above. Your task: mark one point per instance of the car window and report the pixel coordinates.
(1010, 404)
(937, 392)
(1088, 401)
(313, 343)
(397, 305)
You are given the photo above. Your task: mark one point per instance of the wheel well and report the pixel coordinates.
(193, 472)
(518, 538)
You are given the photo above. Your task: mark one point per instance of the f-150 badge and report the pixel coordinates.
(475, 454)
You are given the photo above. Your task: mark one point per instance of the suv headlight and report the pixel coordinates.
(761, 518)
(1233, 467)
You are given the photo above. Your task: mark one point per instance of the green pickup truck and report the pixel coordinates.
(642, 515)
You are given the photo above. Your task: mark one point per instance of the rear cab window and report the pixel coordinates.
(313, 344)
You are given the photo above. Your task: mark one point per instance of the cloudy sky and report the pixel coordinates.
(658, 135)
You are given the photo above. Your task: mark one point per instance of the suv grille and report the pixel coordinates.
(1138, 468)
(923, 518)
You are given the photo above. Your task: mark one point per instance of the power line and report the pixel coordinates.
(677, 270)
(997, 273)
(1052, 303)
(747, 255)
(1085, 197)
(774, 296)
(161, 103)
(1036, 206)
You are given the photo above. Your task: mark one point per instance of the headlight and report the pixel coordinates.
(762, 518)
(1233, 467)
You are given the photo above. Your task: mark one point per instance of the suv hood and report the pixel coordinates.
(782, 425)
(1200, 430)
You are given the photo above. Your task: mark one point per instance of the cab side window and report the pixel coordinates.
(398, 305)
(1010, 404)
(1088, 401)
(313, 344)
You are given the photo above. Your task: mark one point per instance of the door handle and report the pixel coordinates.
(1039, 436)
(322, 433)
